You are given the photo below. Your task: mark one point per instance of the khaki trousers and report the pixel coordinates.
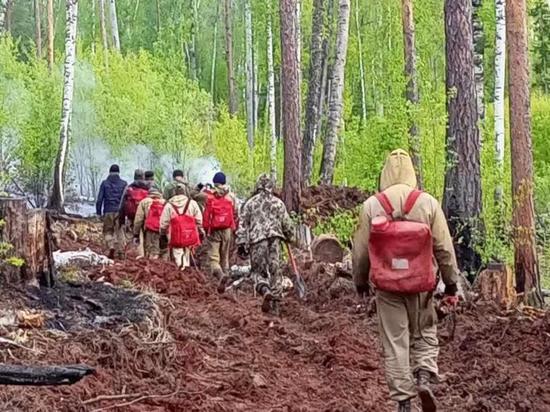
(217, 252)
(112, 233)
(181, 257)
(408, 330)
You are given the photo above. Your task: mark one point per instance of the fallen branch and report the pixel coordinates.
(111, 397)
(43, 375)
(18, 345)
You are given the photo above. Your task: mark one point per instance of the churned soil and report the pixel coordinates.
(209, 352)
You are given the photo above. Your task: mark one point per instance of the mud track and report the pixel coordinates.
(220, 353)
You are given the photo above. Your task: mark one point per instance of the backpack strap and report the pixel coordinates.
(385, 203)
(176, 208)
(186, 206)
(411, 201)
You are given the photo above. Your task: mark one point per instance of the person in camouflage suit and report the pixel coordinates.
(264, 223)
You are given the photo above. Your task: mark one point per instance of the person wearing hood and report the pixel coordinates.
(178, 180)
(264, 224)
(407, 322)
(147, 221)
(181, 207)
(107, 206)
(220, 218)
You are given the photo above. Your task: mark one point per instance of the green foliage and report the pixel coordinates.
(342, 225)
(540, 13)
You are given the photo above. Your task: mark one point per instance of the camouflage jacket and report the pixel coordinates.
(264, 216)
(170, 189)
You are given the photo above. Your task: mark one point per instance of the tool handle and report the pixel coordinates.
(291, 258)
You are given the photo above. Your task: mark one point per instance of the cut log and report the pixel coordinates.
(496, 284)
(13, 237)
(327, 249)
(43, 375)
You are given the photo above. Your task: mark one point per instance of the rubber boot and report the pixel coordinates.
(268, 299)
(224, 282)
(404, 406)
(427, 398)
(111, 254)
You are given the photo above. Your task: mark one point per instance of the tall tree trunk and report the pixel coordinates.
(232, 91)
(336, 103)
(409, 38)
(38, 28)
(214, 52)
(57, 199)
(479, 49)
(114, 25)
(158, 17)
(291, 114)
(462, 196)
(500, 84)
(314, 90)
(3, 12)
(298, 22)
(94, 36)
(249, 75)
(361, 64)
(103, 29)
(51, 35)
(195, 67)
(271, 93)
(8, 16)
(523, 219)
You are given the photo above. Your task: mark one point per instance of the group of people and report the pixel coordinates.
(401, 246)
(173, 223)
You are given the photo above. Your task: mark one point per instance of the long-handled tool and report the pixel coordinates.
(298, 280)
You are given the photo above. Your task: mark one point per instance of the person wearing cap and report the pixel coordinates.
(220, 201)
(107, 206)
(147, 225)
(133, 194)
(178, 179)
(149, 176)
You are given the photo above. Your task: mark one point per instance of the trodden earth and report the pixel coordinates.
(170, 342)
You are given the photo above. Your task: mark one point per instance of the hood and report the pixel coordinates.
(264, 184)
(221, 190)
(398, 169)
(179, 200)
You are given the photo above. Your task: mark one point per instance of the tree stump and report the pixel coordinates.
(13, 237)
(496, 284)
(327, 249)
(40, 262)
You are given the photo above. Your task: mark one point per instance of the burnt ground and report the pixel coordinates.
(207, 352)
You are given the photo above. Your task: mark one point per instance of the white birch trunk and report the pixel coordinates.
(57, 198)
(3, 11)
(336, 101)
(271, 95)
(361, 65)
(500, 83)
(249, 75)
(50, 34)
(103, 29)
(256, 93)
(114, 25)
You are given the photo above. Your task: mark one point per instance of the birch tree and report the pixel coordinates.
(336, 100)
(249, 75)
(51, 35)
(500, 83)
(523, 214)
(57, 199)
(314, 90)
(38, 28)
(291, 114)
(361, 64)
(231, 88)
(462, 195)
(3, 12)
(271, 93)
(114, 25)
(409, 39)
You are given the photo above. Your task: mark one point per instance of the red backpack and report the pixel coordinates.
(152, 222)
(219, 213)
(134, 195)
(401, 251)
(183, 229)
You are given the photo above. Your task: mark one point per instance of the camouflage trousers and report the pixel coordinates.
(265, 265)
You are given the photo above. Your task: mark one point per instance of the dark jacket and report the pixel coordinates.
(110, 194)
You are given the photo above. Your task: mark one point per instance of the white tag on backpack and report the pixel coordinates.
(400, 264)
